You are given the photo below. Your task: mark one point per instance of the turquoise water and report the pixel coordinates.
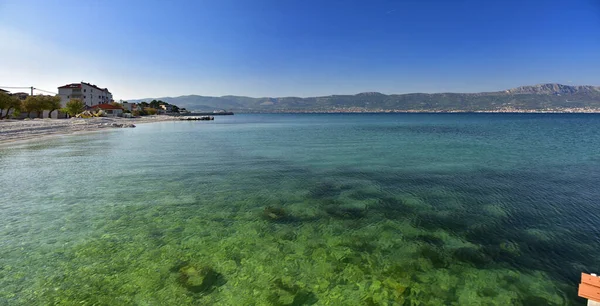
(386, 209)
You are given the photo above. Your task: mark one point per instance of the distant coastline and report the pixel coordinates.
(415, 111)
(542, 98)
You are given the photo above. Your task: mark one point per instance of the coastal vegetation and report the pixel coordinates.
(12, 106)
(74, 107)
(50, 103)
(8, 103)
(36, 103)
(40, 103)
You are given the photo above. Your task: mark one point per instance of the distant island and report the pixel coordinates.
(540, 98)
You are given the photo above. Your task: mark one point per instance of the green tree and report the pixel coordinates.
(155, 104)
(4, 100)
(74, 107)
(32, 104)
(150, 111)
(51, 104)
(9, 103)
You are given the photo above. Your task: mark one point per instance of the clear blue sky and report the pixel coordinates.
(144, 49)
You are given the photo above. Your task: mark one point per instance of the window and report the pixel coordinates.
(84, 97)
(67, 97)
(84, 90)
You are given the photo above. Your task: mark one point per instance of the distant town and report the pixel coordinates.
(360, 110)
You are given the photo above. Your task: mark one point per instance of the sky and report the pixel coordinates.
(259, 48)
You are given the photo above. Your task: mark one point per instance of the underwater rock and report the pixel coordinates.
(324, 190)
(392, 207)
(488, 292)
(360, 245)
(511, 248)
(436, 256)
(472, 256)
(535, 300)
(287, 234)
(200, 279)
(291, 295)
(431, 239)
(275, 214)
(345, 212)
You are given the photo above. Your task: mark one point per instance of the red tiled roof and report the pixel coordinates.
(106, 106)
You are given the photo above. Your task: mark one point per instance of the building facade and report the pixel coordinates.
(90, 94)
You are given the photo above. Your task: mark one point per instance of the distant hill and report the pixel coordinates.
(537, 97)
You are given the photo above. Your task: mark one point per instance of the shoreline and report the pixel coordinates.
(20, 131)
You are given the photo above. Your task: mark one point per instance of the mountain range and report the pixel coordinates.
(537, 98)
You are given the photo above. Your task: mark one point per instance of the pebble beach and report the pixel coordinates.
(20, 130)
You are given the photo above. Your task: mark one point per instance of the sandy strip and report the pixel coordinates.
(21, 130)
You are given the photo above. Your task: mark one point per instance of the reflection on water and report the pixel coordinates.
(305, 210)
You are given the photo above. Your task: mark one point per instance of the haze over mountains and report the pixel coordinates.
(536, 97)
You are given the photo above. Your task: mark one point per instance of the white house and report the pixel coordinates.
(127, 106)
(90, 94)
(167, 108)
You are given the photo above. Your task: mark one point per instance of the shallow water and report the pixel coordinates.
(387, 209)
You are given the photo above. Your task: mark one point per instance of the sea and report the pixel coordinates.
(305, 209)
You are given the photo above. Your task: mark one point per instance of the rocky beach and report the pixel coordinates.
(19, 130)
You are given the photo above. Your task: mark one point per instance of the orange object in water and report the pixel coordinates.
(590, 287)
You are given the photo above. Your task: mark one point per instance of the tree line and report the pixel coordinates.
(40, 103)
(37, 104)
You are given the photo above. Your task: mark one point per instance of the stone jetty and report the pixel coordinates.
(197, 118)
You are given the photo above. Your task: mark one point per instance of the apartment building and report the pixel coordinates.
(90, 94)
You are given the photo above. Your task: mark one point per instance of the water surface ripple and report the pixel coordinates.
(337, 209)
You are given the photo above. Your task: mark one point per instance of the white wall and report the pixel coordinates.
(89, 95)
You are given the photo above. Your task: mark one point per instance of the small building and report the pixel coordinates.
(167, 108)
(136, 107)
(128, 106)
(90, 94)
(132, 107)
(110, 110)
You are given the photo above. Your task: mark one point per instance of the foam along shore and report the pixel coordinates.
(17, 130)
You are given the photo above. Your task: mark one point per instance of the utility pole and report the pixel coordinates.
(32, 90)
